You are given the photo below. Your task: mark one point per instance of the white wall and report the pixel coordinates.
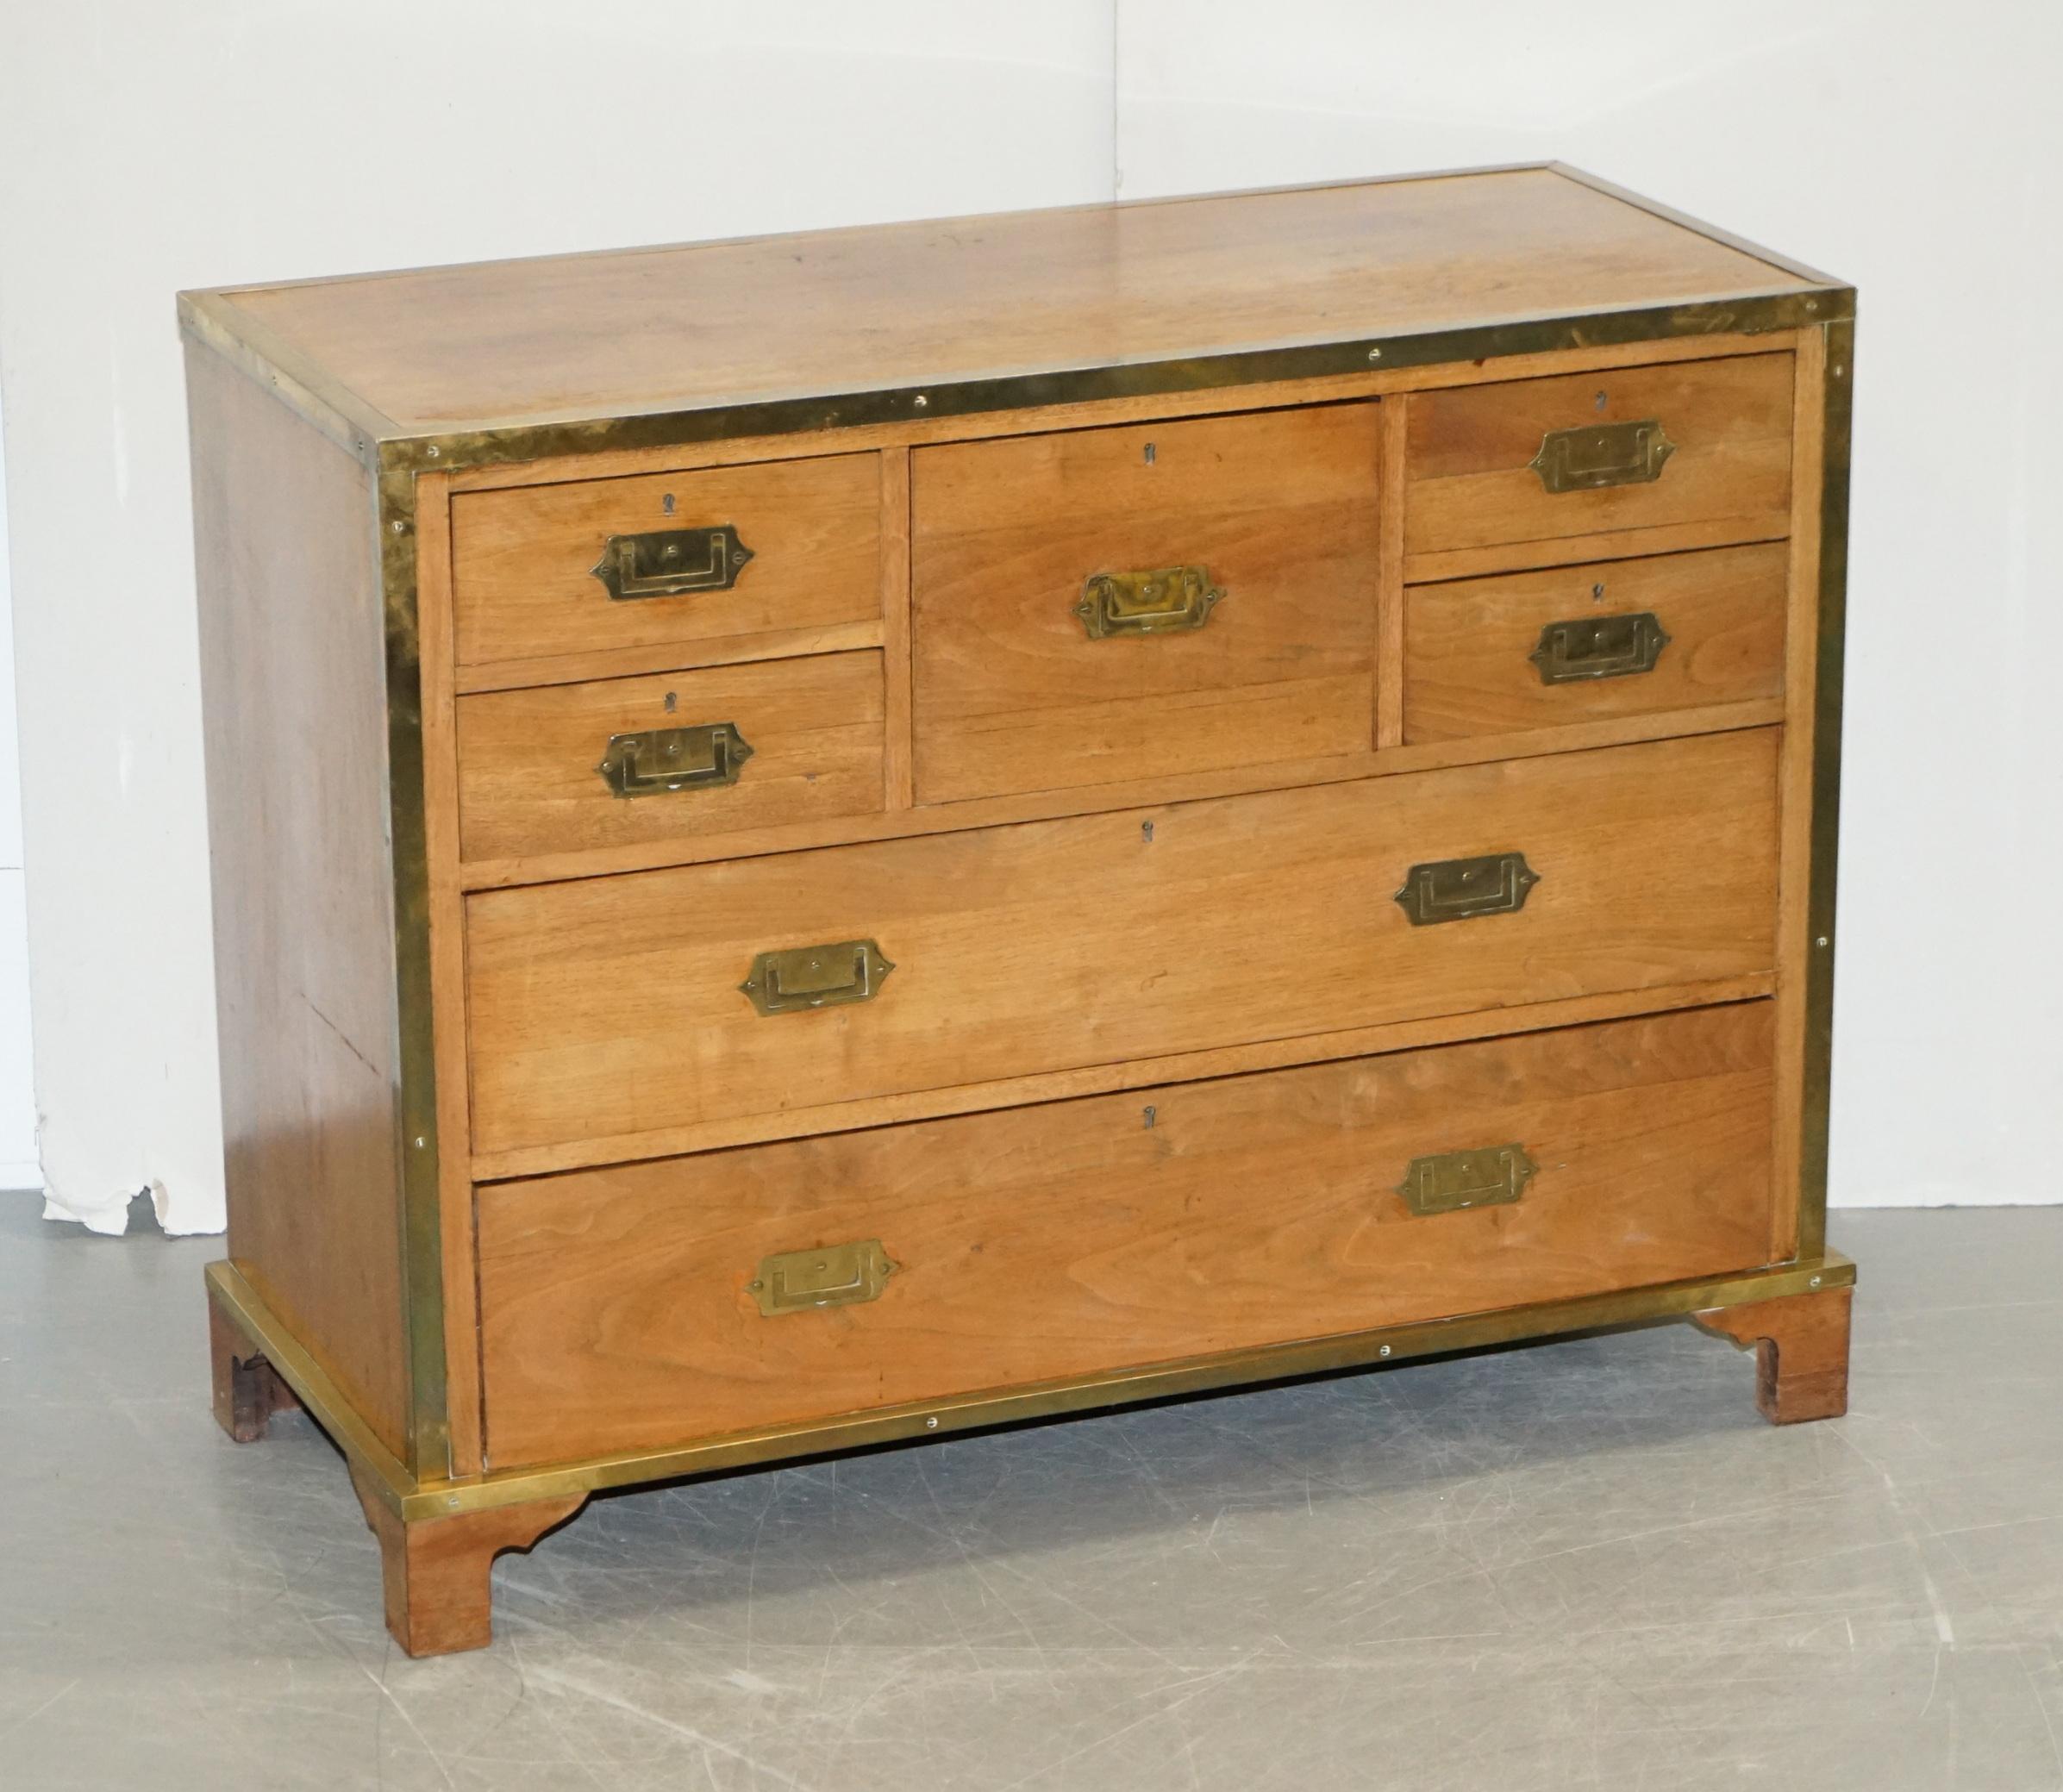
(1917, 150)
(146, 147)
(1911, 148)
(18, 1166)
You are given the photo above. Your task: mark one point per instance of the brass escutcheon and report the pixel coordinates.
(830, 1276)
(1461, 889)
(810, 976)
(667, 562)
(1594, 455)
(1599, 647)
(1447, 1184)
(1165, 601)
(693, 759)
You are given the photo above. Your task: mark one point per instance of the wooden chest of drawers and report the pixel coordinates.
(841, 838)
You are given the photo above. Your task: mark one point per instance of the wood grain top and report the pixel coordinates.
(564, 338)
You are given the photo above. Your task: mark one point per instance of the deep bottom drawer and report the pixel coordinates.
(628, 1306)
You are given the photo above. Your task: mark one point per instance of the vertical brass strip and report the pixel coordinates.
(1840, 386)
(447, 965)
(422, 1252)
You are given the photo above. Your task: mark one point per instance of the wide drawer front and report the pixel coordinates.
(616, 1006)
(660, 1301)
(665, 561)
(618, 761)
(1534, 650)
(1640, 447)
(1102, 604)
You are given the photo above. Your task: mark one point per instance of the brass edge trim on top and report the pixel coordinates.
(303, 386)
(254, 349)
(1813, 1119)
(420, 1216)
(1712, 233)
(418, 1500)
(321, 1396)
(1755, 314)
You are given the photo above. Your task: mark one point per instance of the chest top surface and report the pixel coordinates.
(568, 337)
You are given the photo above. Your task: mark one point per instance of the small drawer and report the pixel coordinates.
(1703, 442)
(663, 1303)
(609, 1007)
(665, 561)
(1533, 650)
(623, 761)
(1097, 605)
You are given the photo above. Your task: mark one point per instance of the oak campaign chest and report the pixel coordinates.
(837, 837)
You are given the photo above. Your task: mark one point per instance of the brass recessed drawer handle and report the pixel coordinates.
(1493, 1177)
(1165, 601)
(652, 764)
(1594, 455)
(1599, 647)
(1461, 889)
(667, 562)
(807, 976)
(830, 1276)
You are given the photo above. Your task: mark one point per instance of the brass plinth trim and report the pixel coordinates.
(438, 1497)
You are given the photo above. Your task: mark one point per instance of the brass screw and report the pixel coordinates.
(931, 1425)
(1814, 1282)
(433, 451)
(920, 401)
(1383, 1352)
(1375, 354)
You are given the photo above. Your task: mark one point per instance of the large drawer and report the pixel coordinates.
(620, 761)
(1045, 656)
(615, 1006)
(635, 1306)
(1693, 442)
(1586, 643)
(665, 561)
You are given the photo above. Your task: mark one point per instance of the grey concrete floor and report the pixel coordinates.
(1587, 1564)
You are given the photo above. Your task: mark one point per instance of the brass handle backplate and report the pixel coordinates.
(830, 1276)
(1593, 455)
(1161, 603)
(667, 562)
(664, 759)
(1599, 647)
(1493, 1177)
(1461, 889)
(809, 977)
